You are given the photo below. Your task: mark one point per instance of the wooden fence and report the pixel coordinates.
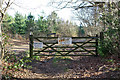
(81, 46)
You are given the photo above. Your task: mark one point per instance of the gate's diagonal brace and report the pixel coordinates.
(86, 42)
(80, 47)
(72, 50)
(49, 46)
(87, 50)
(44, 49)
(43, 43)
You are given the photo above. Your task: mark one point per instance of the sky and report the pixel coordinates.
(36, 7)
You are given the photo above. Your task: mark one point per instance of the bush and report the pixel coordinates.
(110, 44)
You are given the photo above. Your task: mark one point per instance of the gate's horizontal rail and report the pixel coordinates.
(70, 47)
(72, 42)
(71, 37)
(63, 55)
(62, 51)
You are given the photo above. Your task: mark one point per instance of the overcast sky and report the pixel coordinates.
(36, 7)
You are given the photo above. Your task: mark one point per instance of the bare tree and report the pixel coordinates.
(74, 4)
(4, 5)
(85, 11)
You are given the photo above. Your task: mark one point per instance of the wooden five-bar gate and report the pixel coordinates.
(81, 46)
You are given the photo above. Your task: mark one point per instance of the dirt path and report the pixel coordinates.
(84, 67)
(19, 45)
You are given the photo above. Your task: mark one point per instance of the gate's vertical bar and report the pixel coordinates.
(101, 38)
(97, 45)
(31, 44)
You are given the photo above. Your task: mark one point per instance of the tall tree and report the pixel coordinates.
(8, 24)
(52, 20)
(19, 24)
(30, 24)
(41, 26)
(61, 27)
(4, 5)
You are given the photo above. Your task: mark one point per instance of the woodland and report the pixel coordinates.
(95, 18)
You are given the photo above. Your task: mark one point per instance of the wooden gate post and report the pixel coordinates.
(97, 45)
(31, 44)
(101, 38)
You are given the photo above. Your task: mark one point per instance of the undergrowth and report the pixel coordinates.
(14, 63)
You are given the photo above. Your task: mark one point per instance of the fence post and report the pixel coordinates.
(101, 38)
(31, 44)
(96, 44)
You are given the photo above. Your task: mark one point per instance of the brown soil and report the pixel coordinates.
(73, 67)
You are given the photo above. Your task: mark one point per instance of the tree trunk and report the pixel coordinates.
(0, 51)
(1, 55)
